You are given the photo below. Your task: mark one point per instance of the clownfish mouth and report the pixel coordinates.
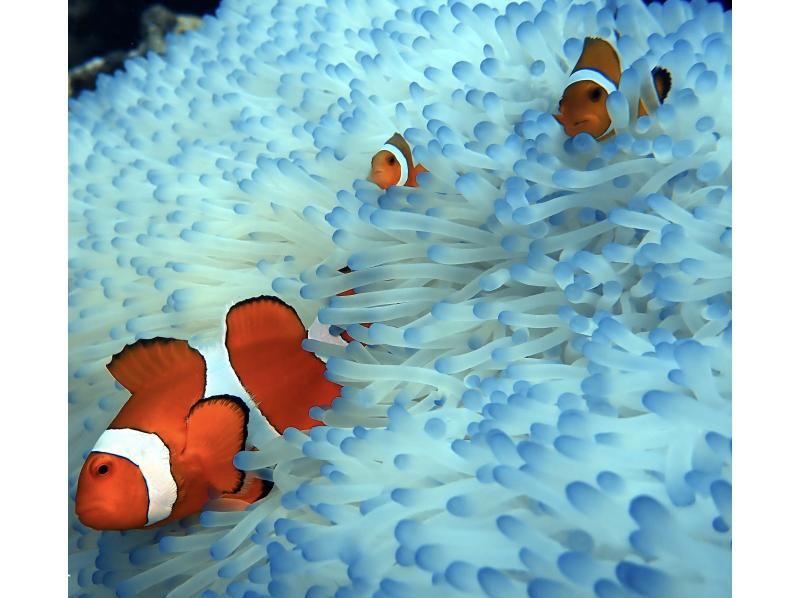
(572, 128)
(585, 125)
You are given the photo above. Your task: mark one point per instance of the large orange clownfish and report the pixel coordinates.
(582, 108)
(171, 447)
(393, 164)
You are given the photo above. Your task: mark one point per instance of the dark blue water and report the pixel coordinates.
(97, 27)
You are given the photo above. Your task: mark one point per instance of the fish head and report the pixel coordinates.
(393, 164)
(112, 493)
(582, 109)
(385, 169)
(597, 73)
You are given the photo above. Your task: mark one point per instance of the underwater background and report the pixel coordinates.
(543, 406)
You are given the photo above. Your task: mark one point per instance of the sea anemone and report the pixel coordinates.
(542, 403)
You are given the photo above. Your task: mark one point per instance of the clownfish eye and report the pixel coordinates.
(392, 160)
(595, 94)
(103, 469)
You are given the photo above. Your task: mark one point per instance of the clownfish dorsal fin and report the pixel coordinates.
(663, 82)
(600, 55)
(216, 430)
(264, 339)
(400, 143)
(150, 362)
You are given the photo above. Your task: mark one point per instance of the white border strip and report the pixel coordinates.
(151, 455)
(321, 332)
(592, 75)
(395, 151)
(222, 380)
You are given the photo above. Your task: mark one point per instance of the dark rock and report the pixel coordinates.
(102, 34)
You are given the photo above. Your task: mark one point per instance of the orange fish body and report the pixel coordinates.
(582, 108)
(391, 165)
(171, 447)
(394, 165)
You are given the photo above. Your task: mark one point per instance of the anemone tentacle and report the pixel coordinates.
(542, 403)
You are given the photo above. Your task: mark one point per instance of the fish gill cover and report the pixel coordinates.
(543, 404)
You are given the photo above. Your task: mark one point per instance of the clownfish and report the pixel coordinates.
(393, 164)
(582, 108)
(170, 448)
(321, 332)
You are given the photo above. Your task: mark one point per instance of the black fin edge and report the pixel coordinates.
(266, 488)
(260, 298)
(246, 410)
(156, 340)
(660, 73)
(271, 298)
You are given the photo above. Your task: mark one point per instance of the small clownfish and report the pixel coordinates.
(393, 164)
(170, 448)
(582, 108)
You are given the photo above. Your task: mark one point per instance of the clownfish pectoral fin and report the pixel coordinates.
(148, 362)
(663, 82)
(216, 430)
(264, 340)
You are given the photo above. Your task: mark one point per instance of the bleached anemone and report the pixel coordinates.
(542, 404)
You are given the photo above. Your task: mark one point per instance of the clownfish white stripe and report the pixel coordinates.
(592, 75)
(321, 332)
(222, 380)
(149, 453)
(401, 159)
